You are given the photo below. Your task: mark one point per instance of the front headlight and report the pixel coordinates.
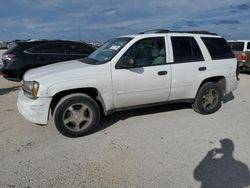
(30, 89)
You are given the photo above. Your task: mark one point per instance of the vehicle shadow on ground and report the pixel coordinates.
(219, 169)
(245, 72)
(123, 115)
(228, 97)
(4, 91)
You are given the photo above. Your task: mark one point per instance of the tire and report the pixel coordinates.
(208, 99)
(76, 115)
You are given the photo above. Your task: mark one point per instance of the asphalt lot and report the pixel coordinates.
(152, 147)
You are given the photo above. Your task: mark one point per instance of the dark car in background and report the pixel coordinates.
(241, 49)
(25, 55)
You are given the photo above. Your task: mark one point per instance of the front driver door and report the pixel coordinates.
(149, 80)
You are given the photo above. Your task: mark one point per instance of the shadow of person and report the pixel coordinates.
(219, 169)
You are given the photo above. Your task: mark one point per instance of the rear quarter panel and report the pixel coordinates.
(238, 55)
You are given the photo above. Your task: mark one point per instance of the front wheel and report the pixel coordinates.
(208, 99)
(76, 115)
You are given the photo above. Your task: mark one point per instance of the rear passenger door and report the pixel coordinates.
(52, 53)
(187, 65)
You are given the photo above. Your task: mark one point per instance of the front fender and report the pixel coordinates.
(104, 89)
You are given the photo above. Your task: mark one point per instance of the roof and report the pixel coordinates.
(46, 40)
(238, 40)
(152, 33)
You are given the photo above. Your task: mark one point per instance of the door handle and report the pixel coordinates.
(160, 73)
(202, 68)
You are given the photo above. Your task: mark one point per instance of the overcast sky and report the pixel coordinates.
(104, 19)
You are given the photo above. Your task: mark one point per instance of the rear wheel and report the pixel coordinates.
(76, 115)
(208, 99)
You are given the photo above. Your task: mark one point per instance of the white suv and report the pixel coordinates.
(127, 72)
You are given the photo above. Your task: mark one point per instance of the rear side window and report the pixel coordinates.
(248, 45)
(218, 48)
(48, 48)
(36, 49)
(75, 48)
(237, 46)
(186, 49)
(53, 48)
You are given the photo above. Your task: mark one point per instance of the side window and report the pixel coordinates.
(248, 46)
(53, 48)
(74, 48)
(148, 52)
(186, 50)
(218, 48)
(197, 55)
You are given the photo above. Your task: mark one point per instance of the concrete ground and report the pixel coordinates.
(167, 146)
(1, 53)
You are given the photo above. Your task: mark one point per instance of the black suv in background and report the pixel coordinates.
(25, 55)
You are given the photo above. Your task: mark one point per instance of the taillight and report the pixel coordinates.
(243, 57)
(2, 74)
(8, 57)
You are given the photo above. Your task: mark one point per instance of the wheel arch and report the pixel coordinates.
(220, 80)
(90, 91)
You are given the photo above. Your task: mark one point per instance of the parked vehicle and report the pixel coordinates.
(130, 72)
(3, 45)
(241, 49)
(25, 55)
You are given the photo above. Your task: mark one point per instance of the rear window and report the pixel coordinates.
(218, 48)
(186, 49)
(12, 45)
(16, 47)
(237, 46)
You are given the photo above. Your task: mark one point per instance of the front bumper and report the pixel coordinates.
(34, 110)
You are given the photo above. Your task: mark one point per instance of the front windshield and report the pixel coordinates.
(108, 50)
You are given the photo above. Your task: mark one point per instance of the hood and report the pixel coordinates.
(61, 71)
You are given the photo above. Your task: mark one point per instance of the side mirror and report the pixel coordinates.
(126, 62)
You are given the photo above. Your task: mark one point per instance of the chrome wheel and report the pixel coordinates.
(210, 99)
(77, 117)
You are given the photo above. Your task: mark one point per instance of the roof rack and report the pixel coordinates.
(155, 31)
(195, 32)
(168, 31)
